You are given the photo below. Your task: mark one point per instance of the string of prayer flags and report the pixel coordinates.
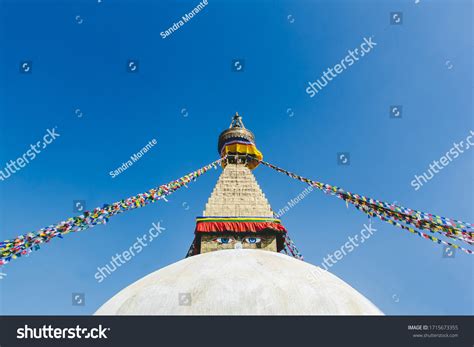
(402, 217)
(290, 248)
(24, 244)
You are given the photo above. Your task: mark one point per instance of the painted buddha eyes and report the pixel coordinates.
(224, 240)
(229, 240)
(252, 240)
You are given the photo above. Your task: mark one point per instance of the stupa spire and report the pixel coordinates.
(237, 214)
(236, 121)
(238, 144)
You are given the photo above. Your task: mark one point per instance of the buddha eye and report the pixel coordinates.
(253, 240)
(224, 240)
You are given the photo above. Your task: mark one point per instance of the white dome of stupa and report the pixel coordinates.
(239, 282)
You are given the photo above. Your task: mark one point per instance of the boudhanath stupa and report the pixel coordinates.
(239, 263)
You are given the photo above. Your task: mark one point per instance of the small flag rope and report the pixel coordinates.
(23, 245)
(396, 215)
(291, 248)
(419, 233)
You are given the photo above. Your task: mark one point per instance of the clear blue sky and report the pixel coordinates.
(425, 64)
